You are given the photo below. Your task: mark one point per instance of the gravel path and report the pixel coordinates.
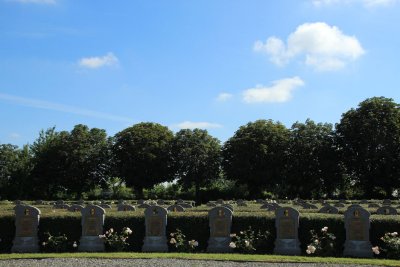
(87, 262)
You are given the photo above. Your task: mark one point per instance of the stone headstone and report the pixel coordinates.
(39, 202)
(155, 239)
(179, 201)
(92, 227)
(387, 202)
(220, 201)
(61, 206)
(185, 205)
(160, 202)
(364, 201)
(121, 201)
(357, 224)
(269, 207)
(18, 202)
(343, 201)
(220, 222)
(125, 207)
(210, 204)
(81, 202)
(75, 208)
(105, 206)
(287, 236)
(140, 202)
(229, 206)
(329, 209)
(144, 206)
(260, 201)
(241, 204)
(26, 229)
(176, 208)
(373, 205)
(339, 205)
(386, 210)
(309, 206)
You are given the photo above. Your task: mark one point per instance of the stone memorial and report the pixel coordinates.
(26, 229)
(75, 208)
(287, 236)
(329, 209)
(39, 202)
(210, 204)
(160, 202)
(387, 202)
(364, 201)
(125, 207)
(373, 205)
(155, 239)
(386, 210)
(339, 205)
(357, 224)
(229, 206)
(220, 201)
(140, 202)
(105, 206)
(220, 222)
(92, 227)
(144, 206)
(186, 205)
(176, 208)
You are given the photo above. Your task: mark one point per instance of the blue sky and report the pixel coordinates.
(212, 64)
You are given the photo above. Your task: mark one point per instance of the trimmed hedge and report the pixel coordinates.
(195, 226)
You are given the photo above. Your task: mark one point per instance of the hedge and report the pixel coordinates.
(195, 226)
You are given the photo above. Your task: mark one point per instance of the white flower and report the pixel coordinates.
(128, 231)
(311, 249)
(102, 236)
(246, 243)
(394, 234)
(172, 241)
(193, 243)
(316, 241)
(44, 244)
(233, 235)
(232, 245)
(74, 245)
(111, 230)
(325, 229)
(308, 252)
(375, 250)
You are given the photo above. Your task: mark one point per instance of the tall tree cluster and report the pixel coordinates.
(358, 158)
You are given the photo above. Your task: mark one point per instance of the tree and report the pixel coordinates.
(369, 137)
(70, 162)
(255, 155)
(197, 158)
(143, 155)
(15, 167)
(313, 169)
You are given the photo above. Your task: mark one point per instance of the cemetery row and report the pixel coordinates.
(284, 235)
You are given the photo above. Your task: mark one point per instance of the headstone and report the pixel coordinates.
(179, 201)
(287, 236)
(387, 202)
(26, 229)
(176, 208)
(144, 206)
(260, 201)
(373, 205)
(121, 201)
(339, 205)
(242, 204)
(210, 204)
(92, 227)
(220, 201)
(329, 209)
(61, 206)
(185, 205)
(269, 207)
(309, 206)
(342, 201)
(140, 202)
(386, 210)
(81, 202)
(155, 239)
(229, 206)
(18, 202)
(364, 201)
(160, 202)
(357, 224)
(220, 222)
(39, 202)
(126, 207)
(75, 208)
(105, 206)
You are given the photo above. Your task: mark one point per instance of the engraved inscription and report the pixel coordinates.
(356, 229)
(286, 228)
(155, 226)
(26, 227)
(221, 228)
(91, 227)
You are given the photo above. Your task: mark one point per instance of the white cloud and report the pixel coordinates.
(98, 62)
(325, 47)
(365, 3)
(199, 125)
(46, 2)
(280, 91)
(222, 97)
(40, 104)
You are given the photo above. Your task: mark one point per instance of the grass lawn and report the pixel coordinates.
(222, 257)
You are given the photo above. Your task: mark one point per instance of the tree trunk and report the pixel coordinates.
(197, 193)
(138, 192)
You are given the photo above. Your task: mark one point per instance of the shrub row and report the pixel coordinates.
(196, 226)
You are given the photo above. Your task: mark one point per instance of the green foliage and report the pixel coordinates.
(255, 155)
(178, 242)
(196, 157)
(369, 137)
(56, 243)
(391, 245)
(249, 242)
(322, 244)
(116, 242)
(143, 155)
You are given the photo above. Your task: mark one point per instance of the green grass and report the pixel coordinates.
(219, 257)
